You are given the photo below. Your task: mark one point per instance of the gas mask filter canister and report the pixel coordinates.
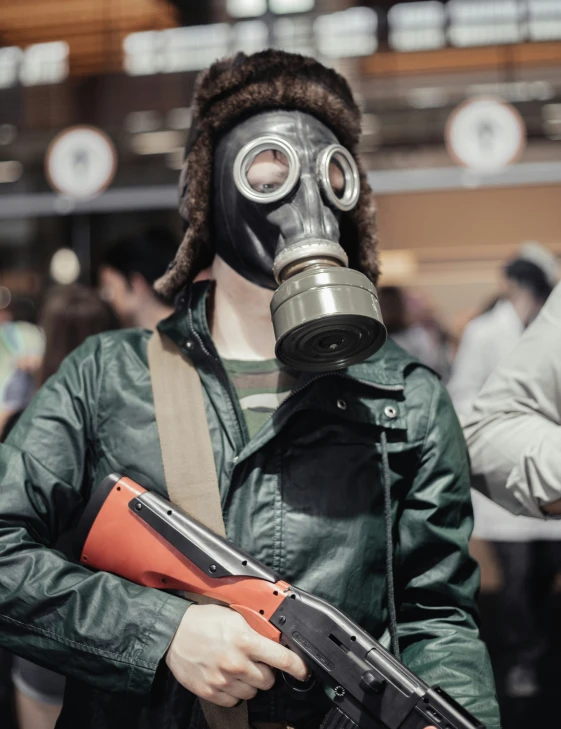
(325, 315)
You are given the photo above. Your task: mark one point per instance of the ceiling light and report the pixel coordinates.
(65, 266)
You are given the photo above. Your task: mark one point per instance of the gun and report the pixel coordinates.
(143, 537)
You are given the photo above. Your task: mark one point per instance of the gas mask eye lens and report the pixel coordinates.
(338, 174)
(266, 169)
(337, 178)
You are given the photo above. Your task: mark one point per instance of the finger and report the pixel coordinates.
(277, 656)
(258, 675)
(240, 690)
(266, 677)
(244, 669)
(222, 699)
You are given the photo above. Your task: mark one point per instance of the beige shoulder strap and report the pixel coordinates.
(188, 461)
(184, 436)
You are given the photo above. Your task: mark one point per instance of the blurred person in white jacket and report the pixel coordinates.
(529, 555)
(514, 429)
(528, 280)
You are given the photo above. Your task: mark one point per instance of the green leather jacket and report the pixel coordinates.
(305, 496)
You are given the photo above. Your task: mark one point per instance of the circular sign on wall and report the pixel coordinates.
(485, 134)
(81, 162)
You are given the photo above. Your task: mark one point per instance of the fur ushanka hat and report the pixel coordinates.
(234, 89)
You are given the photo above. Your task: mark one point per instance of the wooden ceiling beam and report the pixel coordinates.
(24, 38)
(394, 63)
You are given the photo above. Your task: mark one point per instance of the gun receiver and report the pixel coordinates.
(165, 548)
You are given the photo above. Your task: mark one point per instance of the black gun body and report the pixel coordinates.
(372, 688)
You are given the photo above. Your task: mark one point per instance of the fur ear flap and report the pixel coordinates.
(238, 87)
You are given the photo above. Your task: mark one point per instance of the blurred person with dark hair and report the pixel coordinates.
(69, 316)
(529, 555)
(128, 270)
(412, 337)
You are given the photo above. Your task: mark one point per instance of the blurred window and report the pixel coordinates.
(10, 59)
(476, 23)
(178, 49)
(41, 63)
(250, 36)
(143, 53)
(347, 34)
(544, 21)
(44, 63)
(294, 35)
(416, 26)
(246, 8)
(194, 48)
(281, 7)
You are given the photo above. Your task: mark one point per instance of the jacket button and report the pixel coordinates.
(235, 459)
(189, 344)
(390, 412)
(341, 404)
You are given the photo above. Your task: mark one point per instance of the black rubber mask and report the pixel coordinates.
(281, 183)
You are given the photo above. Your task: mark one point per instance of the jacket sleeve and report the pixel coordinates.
(514, 430)
(437, 580)
(96, 627)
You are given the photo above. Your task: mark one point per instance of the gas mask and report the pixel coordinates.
(281, 184)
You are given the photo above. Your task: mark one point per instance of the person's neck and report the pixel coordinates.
(241, 322)
(150, 313)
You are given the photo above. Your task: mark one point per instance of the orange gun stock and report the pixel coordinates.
(121, 509)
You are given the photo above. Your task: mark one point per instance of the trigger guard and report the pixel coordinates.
(298, 689)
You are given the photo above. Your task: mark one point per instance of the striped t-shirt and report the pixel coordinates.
(261, 385)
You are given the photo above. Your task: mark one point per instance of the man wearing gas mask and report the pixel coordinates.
(340, 461)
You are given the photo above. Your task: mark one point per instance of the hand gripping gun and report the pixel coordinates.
(143, 537)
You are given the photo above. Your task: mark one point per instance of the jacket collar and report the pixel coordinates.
(188, 324)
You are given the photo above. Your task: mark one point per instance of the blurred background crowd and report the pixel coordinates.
(462, 122)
